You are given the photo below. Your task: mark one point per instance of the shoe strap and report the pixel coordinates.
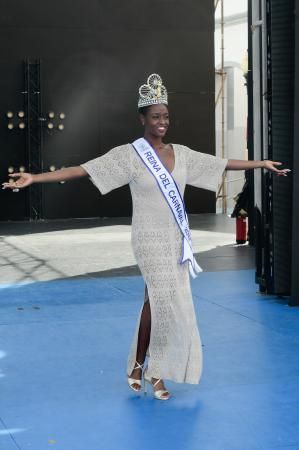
(150, 380)
(138, 366)
(158, 381)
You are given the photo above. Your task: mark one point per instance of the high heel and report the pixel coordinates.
(132, 381)
(160, 394)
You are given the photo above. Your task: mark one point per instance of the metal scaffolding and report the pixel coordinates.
(34, 134)
(222, 193)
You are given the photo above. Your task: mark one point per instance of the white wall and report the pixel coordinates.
(235, 49)
(232, 7)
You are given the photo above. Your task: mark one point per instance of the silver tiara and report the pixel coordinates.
(152, 93)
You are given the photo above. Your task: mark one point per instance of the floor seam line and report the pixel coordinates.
(10, 435)
(243, 315)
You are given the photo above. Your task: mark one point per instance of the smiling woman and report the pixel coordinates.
(155, 119)
(157, 173)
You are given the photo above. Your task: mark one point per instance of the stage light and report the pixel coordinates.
(9, 114)
(21, 114)
(61, 127)
(51, 114)
(22, 169)
(63, 181)
(52, 168)
(10, 126)
(11, 169)
(62, 116)
(50, 125)
(22, 125)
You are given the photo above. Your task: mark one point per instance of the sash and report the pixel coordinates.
(172, 195)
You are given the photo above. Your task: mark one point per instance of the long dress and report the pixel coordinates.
(174, 351)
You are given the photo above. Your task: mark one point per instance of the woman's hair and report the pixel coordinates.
(143, 110)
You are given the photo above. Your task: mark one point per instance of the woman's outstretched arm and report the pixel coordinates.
(239, 164)
(24, 179)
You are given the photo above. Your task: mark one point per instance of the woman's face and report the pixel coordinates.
(156, 120)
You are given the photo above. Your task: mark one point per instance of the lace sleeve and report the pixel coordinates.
(203, 170)
(112, 170)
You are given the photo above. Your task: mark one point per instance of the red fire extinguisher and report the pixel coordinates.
(241, 229)
(240, 214)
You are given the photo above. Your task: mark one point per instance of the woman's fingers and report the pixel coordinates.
(283, 172)
(271, 165)
(11, 185)
(23, 180)
(14, 184)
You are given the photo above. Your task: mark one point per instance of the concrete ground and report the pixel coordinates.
(101, 247)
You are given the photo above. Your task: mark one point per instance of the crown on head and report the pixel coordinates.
(152, 93)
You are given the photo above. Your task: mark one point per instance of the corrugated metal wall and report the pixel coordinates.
(281, 142)
(295, 234)
(272, 40)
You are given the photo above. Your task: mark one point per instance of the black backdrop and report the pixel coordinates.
(94, 56)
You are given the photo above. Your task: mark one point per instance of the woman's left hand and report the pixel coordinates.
(271, 165)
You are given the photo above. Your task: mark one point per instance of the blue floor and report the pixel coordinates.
(63, 350)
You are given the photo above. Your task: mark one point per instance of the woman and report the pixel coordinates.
(166, 331)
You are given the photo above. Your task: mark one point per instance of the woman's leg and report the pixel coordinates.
(144, 335)
(144, 330)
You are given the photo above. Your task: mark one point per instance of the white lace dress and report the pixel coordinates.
(175, 349)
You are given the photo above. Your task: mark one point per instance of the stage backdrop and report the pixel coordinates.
(94, 56)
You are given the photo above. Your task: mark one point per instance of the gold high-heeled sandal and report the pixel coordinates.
(132, 381)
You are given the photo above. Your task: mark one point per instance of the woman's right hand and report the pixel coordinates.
(23, 180)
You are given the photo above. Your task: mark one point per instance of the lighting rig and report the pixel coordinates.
(33, 122)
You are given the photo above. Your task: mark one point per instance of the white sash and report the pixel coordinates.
(171, 193)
